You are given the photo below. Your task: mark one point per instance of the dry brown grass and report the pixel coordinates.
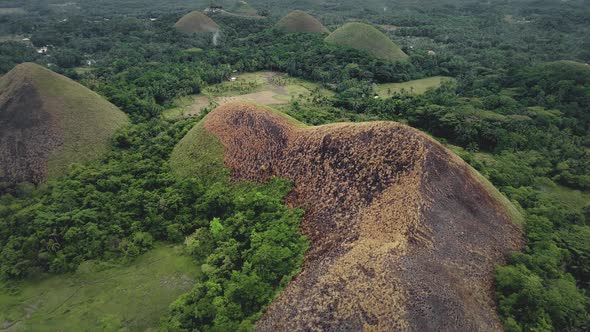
(404, 236)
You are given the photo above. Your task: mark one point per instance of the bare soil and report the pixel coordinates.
(404, 236)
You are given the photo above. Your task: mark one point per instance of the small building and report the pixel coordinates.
(233, 79)
(42, 50)
(431, 52)
(213, 9)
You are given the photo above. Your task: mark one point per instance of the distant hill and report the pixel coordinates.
(404, 234)
(196, 22)
(366, 37)
(48, 122)
(243, 8)
(300, 21)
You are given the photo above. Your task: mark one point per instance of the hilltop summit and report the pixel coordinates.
(365, 37)
(48, 122)
(404, 234)
(196, 22)
(300, 21)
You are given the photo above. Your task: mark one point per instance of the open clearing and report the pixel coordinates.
(129, 298)
(572, 198)
(414, 87)
(12, 11)
(265, 87)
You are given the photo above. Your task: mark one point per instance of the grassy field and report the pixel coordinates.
(265, 87)
(573, 199)
(12, 11)
(365, 37)
(280, 84)
(124, 298)
(415, 87)
(188, 106)
(196, 22)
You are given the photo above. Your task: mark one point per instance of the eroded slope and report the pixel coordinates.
(404, 235)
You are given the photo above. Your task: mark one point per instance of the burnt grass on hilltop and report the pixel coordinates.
(404, 235)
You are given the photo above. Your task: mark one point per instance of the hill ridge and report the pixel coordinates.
(404, 235)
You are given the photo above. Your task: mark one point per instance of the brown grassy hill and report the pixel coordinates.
(48, 122)
(196, 22)
(300, 21)
(405, 235)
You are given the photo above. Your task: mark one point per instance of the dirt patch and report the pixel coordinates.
(404, 237)
(263, 97)
(200, 102)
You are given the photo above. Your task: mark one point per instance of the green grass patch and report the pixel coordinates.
(101, 298)
(570, 198)
(199, 153)
(244, 83)
(416, 87)
(282, 85)
(12, 11)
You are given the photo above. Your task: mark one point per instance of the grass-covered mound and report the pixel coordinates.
(390, 247)
(196, 22)
(365, 37)
(48, 122)
(300, 21)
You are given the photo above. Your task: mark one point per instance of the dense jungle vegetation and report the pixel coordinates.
(517, 112)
